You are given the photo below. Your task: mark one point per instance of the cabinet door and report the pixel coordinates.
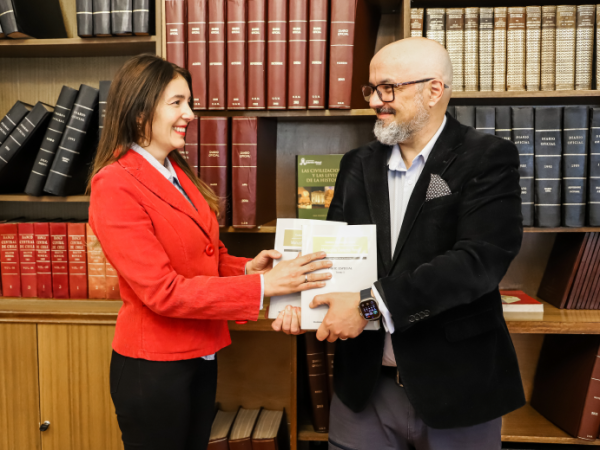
(19, 394)
(74, 387)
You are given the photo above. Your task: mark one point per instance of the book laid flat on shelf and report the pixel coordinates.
(533, 44)
(121, 17)
(297, 60)
(10, 271)
(143, 17)
(214, 162)
(217, 62)
(594, 173)
(102, 22)
(277, 54)
(85, 18)
(499, 73)
(236, 54)
(471, 57)
(10, 121)
(43, 259)
(40, 19)
(316, 362)
(416, 22)
(316, 182)
(257, 54)
(219, 432)
(519, 301)
(270, 432)
(575, 167)
(197, 46)
(240, 437)
(486, 48)
(317, 53)
(353, 251)
(548, 51)
(175, 31)
(27, 259)
(523, 137)
(584, 48)
(455, 45)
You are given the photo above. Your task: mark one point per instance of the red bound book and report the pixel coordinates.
(60, 261)
(175, 31)
(27, 260)
(257, 53)
(191, 144)
(9, 260)
(236, 54)
(277, 54)
(298, 39)
(216, 54)
(253, 156)
(112, 282)
(197, 50)
(214, 162)
(96, 265)
(43, 259)
(317, 53)
(353, 35)
(77, 260)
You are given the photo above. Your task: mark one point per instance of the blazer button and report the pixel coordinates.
(411, 319)
(210, 250)
(422, 315)
(426, 312)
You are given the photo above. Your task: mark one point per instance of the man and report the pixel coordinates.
(445, 198)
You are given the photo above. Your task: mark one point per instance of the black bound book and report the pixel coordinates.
(548, 161)
(47, 150)
(17, 153)
(102, 97)
(143, 17)
(451, 110)
(503, 122)
(523, 138)
(466, 115)
(121, 17)
(10, 121)
(85, 19)
(594, 180)
(574, 160)
(41, 19)
(2, 35)
(9, 21)
(102, 18)
(485, 119)
(71, 165)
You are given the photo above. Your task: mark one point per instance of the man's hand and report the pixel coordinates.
(343, 320)
(263, 262)
(288, 321)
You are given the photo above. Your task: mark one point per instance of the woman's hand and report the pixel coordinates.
(263, 262)
(288, 321)
(294, 276)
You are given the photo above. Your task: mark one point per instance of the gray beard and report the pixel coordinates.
(395, 133)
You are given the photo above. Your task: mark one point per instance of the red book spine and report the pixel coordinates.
(96, 265)
(298, 38)
(43, 260)
(197, 49)
(257, 53)
(244, 141)
(77, 260)
(317, 54)
(112, 282)
(277, 54)
(60, 262)
(590, 417)
(27, 260)
(341, 53)
(175, 34)
(214, 162)
(191, 144)
(9, 260)
(216, 54)
(236, 54)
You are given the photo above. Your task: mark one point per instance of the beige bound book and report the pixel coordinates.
(566, 16)
(486, 48)
(597, 46)
(455, 44)
(416, 22)
(584, 48)
(533, 47)
(515, 49)
(471, 49)
(435, 21)
(548, 61)
(500, 48)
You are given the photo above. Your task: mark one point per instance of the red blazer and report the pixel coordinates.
(178, 283)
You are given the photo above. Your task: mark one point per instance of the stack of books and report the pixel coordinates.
(104, 18)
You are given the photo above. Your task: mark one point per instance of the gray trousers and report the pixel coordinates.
(389, 422)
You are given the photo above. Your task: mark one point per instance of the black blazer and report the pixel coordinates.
(453, 349)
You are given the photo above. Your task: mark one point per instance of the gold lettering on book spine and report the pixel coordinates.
(584, 46)
(455, 35)
(416, 22)
(533, 48)
(471, 49)
(435, 21)
(565, 47)
(515, 49)
(486, 48)
(500, 48)
(548, 52)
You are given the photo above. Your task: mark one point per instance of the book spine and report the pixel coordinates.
(590, 416)
(27, 260)
(85, 18)
(96, 265)
(548, 52)
(175, 31)
(503, 123)
(330, 347)
(277, 54)
(60, 263)
(2, 35)
(523, 138)
(121, 17)
(298, 39)
(499, 83)
(435, 25)
(584, 46)
(485, 119)
(548, 157)
(77, 260)
(257, 56)
(197, 47)
(7, 18)
(141, 17)
(101, 17)
(317, 382)
(102, 99)
(466, 115)
(515, 49)
(236, 54)
(10, 121)
(214, 162)
(43, 260)
(594, 173)
(317, 54)
(112, 283)
(533, 48)
(217, 75)
(9, 260)
(451, 110)
(597, 50)
(244, 140)
(191, 144)
(575, 158)
(455, 45)
(416, 22)
(566, 16)
(341, 53)
(471, 64)
(486, 48)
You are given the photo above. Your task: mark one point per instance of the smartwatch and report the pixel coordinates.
(368, 307)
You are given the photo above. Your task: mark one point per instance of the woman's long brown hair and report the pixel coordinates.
(132, 100)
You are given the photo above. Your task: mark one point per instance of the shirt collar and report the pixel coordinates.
(395, 161)
(167, 170)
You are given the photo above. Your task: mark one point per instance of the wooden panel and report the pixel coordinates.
(45, 48)
(74, 388)
(389, 30)
(19, 392)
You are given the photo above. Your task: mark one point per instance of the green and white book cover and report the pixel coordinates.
(316, 182)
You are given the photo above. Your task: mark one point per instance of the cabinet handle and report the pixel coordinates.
(45, 426)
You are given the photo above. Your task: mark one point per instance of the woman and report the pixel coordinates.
(157, 224)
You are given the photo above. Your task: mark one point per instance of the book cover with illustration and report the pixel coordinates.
(316, 182)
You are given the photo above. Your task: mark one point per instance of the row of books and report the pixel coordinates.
(272, 54)
(319, 360)
(54, 260)
(25, 19)
(559, 149)
(516, 48)
(103, 18)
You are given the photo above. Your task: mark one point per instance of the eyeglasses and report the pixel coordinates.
(386, 91)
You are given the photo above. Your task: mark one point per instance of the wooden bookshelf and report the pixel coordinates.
(526, 94)
(45, 198)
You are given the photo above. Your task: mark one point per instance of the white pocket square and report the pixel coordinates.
(437, 188)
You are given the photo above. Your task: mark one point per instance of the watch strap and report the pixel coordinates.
(366, 293)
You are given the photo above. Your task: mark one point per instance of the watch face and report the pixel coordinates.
(369, 309)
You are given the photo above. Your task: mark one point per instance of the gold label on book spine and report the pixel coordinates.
(486, 48)
(515, 49)
(548, 51)
(471, 49)
(416, 22)
(533, 47)
(499, 84)
(455, 26)
(565, 47)
(584, 46)
(435, 21)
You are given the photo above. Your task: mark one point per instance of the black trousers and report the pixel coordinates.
(163, 404)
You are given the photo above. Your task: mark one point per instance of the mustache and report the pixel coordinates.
(385, 110)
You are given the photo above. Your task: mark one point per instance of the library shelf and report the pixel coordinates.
(554, 321)
(526, 94)
(289, 113)
(45, 198)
